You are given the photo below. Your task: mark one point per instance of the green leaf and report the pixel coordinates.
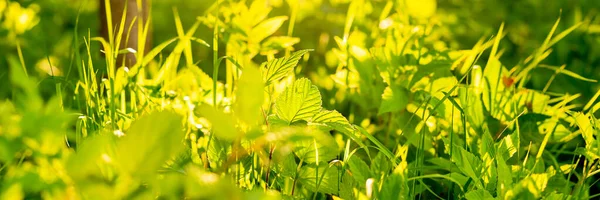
(279, 43)
(217, 153)
(531, 186)
(249, 96)
(28, 94)
(395, 186)
(276, 122)
(326, 180)
(287, 165)
(266, 28)
(394, 98)
(330, 117)
(321, 147)
(360, 170)
(469, 164)
(277, 68)
(300, 101)
(586, 128)
(380, 164)
(151, 140)
(479, 194)
(223, 125)
(153, 53)
(347, 185)
(568, 73)
(92, 151)
(338, 122)
(504, 174)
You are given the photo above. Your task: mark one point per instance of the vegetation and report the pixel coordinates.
(313, 99)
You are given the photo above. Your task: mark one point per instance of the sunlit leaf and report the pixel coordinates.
(568, 73)
(326, 180)
(360, 170)
(266, 28)
(586, 128)
(249, 96)
(279, 43)
(148, 144)
(320, 148)
(299, 101)
(275, 122)
(276, 69)
(330, 116)
(223, 125)
(479, 194)
(394, 99)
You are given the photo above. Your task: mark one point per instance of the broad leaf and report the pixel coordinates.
(394, 98)
(320, 148)
(330, 117)
(250, 96)
(479, 194)
(286, 165)
(266, 28)
(324, 180)
(360, 170)
(217, 152)
(585, 126)
(222, 124)
(275, 122)
(150, 142)
(380, 164)
(278, 43)
(277, 68)
(299, 101)
(336, 121)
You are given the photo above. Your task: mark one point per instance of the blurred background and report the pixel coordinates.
(45, 31)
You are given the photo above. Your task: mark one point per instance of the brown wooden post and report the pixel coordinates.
(117, 7)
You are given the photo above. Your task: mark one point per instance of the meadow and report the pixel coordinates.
(301, 99)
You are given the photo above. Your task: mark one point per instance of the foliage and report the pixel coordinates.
(378, 100)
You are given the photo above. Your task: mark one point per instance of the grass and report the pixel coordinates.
(388, 111)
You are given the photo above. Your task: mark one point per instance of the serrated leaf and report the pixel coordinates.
(150, 141)
(249, 96)
(394, 98)
(217, 153)
(266, 28)
(299, 101)
(222, 124)
(329, 116)
(277, 68)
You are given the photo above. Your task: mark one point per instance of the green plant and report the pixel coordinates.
(390, 109)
